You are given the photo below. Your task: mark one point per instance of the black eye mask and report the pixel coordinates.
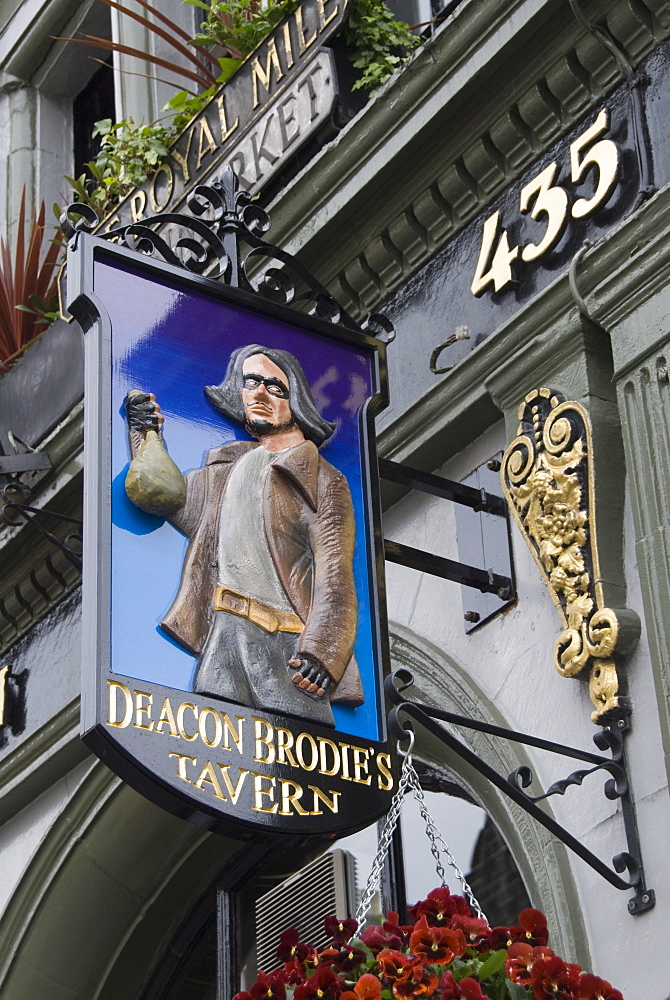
(274, 386)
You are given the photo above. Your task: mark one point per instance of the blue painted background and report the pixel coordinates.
(173, 343)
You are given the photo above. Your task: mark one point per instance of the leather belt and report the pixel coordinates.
(270, 619)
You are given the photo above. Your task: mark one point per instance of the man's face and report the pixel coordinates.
(265, 396)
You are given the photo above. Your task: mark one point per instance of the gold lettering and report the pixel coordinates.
(208, 776)
(384, 763)
(166, 169)
(203, 150)
(284, 744)
(323, 743)
(289, 798)
(167, 716)
(265, 75)
(233, 790)
(262, 741)
(315, 753)
(114, 221)
(138, 202)
(183, 160)
(180, 720)
(287, 44)
(181, 765)
(320, 796)
(259, 792)
(112, 720)
(229, 731)
(141, 709)
(225, 131)
(361, 764)
(323, 20)
(303, 42)
(202, 727)
(345, 762)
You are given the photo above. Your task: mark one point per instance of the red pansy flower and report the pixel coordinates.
(327, 957)
(323, 985)
(436, 944)
(471, 990)
(503, 937)
(340, 930)
(393, 963)
(374, 939)
(534, 927)
(554, 979)
(368, 987)
(242, 995)
(438, 906)
(595, 988)
(294, 972)
(476, 931)
(269, 986)
(290, 946)
(449, 987)
(415, 981)
(392, 927)
(520, 958)
(347, 958)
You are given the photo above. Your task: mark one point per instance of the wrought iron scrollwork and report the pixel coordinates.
(225, 220)
(616, 786)
(15, 511)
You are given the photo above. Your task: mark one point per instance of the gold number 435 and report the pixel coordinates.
(542, 197)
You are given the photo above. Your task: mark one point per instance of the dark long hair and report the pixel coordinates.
(227, 397)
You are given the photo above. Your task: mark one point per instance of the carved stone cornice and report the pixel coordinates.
(449, 133)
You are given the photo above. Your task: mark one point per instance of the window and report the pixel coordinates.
(94, 102)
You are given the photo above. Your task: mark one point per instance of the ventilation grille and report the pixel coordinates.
(323, 888)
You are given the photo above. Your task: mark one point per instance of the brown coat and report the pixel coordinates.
(309, 523)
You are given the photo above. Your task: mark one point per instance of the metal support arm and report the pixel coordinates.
(616, 787)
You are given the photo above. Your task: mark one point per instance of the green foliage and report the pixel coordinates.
(238, 25)
(128, 155)
(185, 107)
(379, 43)
(130, 152)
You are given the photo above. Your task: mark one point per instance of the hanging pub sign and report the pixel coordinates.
(232, 651)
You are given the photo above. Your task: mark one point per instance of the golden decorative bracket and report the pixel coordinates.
(548, 480)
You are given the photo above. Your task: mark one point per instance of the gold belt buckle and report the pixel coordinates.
(262, 615)
(228, 600)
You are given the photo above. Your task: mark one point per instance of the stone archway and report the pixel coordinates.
(108, 886)
(541, 860)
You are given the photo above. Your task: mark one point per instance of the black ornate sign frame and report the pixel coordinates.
(261, 770)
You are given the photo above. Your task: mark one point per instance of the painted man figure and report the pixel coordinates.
(267, 598)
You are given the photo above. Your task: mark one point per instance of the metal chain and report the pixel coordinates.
(410, 779)
(437, 843)
(392, 818)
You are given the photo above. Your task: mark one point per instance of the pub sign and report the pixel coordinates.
(233, 646)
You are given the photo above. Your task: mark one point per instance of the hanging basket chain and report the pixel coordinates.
(437, 843)
(410, 779)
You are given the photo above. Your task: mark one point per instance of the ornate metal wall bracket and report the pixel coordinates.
(515, 785)
(15, 510)
(223, 240)
(548, 482)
